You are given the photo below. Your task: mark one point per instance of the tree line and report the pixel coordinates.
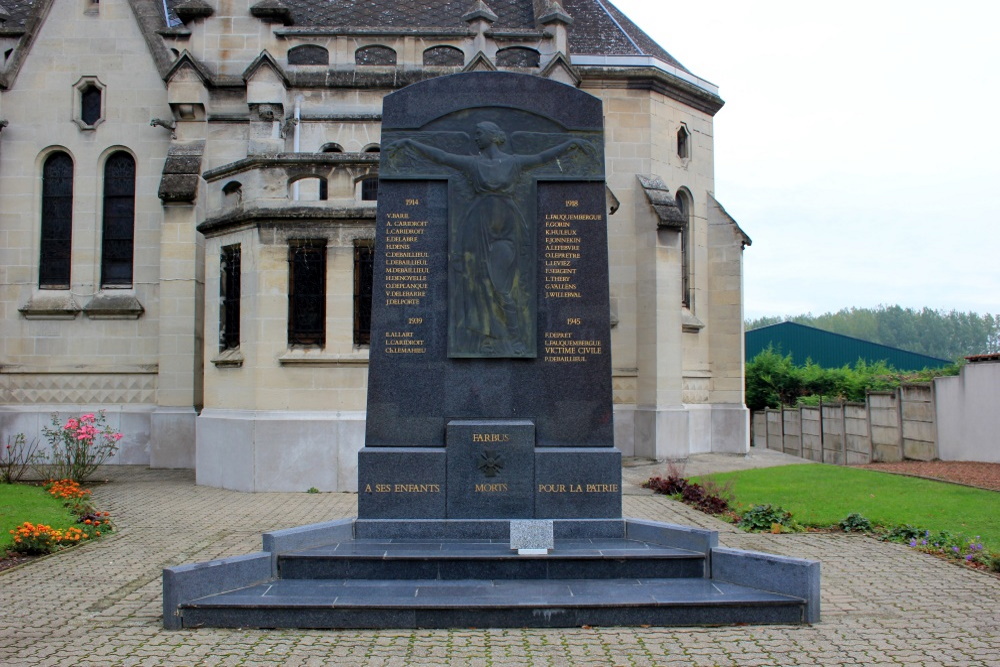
(937, 333)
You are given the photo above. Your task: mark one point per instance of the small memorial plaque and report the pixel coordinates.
(532, 537)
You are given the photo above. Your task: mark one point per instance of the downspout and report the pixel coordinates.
(296, 137)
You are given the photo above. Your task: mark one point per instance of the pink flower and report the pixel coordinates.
(89, 417)
(117, 436)
(71, 425)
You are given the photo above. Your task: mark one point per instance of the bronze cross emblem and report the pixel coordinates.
(490, 463)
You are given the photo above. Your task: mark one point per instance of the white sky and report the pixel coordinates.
(859, 145)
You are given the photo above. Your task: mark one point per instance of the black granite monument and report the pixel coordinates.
(489, 487)
(489, 395)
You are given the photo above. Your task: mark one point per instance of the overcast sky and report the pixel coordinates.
(859, 145)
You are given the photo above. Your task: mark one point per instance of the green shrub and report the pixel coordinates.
(856, 523)
(773, 380)
(763, 517)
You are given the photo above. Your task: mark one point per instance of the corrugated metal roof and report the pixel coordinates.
(832, 350)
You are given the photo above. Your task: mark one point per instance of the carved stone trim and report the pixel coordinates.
(193, 9)
(669, 214)
(179, 182)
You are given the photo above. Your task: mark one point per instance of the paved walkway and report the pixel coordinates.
(99, 604)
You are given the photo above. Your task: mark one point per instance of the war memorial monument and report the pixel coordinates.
(489, 487)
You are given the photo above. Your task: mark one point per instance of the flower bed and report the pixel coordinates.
(33, 539)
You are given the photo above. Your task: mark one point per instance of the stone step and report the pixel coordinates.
(433, 603)
(596, 558)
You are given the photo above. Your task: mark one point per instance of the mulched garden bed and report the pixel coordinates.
(13, 561)
(969, 473)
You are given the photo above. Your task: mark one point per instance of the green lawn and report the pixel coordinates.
(20, 503)
(823, 495)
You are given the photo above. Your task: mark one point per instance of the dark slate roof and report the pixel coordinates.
(512, 14)
(19, 11)
(599, 28)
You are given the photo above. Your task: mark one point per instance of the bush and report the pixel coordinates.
(856, 522)
(16, 457)
(764, 518)
(671, 486)
(37, 539)
(773, 380)
(706, 498)
(79, 446)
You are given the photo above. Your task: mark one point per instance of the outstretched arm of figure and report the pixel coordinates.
(552, 153)
(435, 154)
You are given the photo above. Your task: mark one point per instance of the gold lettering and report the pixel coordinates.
(491, 437)
(416, 488)
(491, 488)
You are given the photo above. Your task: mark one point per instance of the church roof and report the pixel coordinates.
(18, 11)
(599, 28)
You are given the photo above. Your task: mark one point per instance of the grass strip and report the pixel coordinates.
(823, 495)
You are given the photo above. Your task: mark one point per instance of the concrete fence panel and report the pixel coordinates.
(792, 423)
(918, 423)
(857, 436)
(812, 434)
(886, 427)
(759, 430)
(774, 430)
(833, 434)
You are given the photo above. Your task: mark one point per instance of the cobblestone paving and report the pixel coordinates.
(99, 604)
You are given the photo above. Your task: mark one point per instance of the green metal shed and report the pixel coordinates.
(831, 350)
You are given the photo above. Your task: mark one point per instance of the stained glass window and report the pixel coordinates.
(57, 222)
(364, 262)
(119, 221)
(307, 292)
(229, 298)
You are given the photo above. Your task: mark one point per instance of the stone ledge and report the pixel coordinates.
(300, 357)
(50, 305)
(690, 323)
(231, 358)
(113, 305)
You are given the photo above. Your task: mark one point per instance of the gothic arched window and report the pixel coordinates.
(683, 200)
(57, 222)
(119, 221)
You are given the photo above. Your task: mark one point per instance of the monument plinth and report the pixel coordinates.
(490, 361)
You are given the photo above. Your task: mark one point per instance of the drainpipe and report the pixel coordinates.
(296, 136)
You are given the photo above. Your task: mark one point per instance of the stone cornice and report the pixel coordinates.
(289, 160)
(242, 216)
(655, 79)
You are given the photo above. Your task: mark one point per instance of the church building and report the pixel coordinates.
(187, 209)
